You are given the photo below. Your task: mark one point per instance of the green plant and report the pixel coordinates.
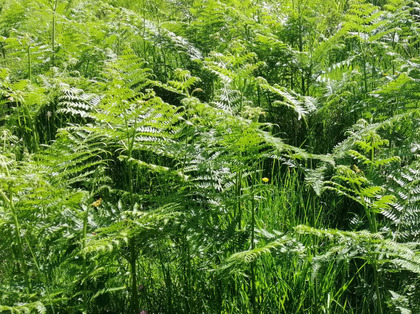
(209, 156)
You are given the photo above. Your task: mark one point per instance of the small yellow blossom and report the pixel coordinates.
(97, 203)
(265, 180)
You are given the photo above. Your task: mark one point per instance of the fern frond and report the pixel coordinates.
(284, 246)
(363, 242)
(38, 307)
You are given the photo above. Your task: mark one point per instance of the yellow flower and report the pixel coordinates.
(265, 180)
(97, 203)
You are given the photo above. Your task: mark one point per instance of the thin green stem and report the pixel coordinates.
(29, 63)
(9, 201)
(132, 244)
(253, 286)
(54, 20)
(84, 266)
(41, 274)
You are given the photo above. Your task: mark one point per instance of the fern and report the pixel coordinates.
(285, 246)
(405, 214)
(74, 104)
(301, 107)
(25, 308)
(236, 71)
(120, 191)
(365, 245)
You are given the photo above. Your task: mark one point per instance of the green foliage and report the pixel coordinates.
(209, 156)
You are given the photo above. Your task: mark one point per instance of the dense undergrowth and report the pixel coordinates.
(209, 156)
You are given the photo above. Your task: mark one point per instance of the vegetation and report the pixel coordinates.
(209, 156)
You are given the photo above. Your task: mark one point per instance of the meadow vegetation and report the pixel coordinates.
(210, 156)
